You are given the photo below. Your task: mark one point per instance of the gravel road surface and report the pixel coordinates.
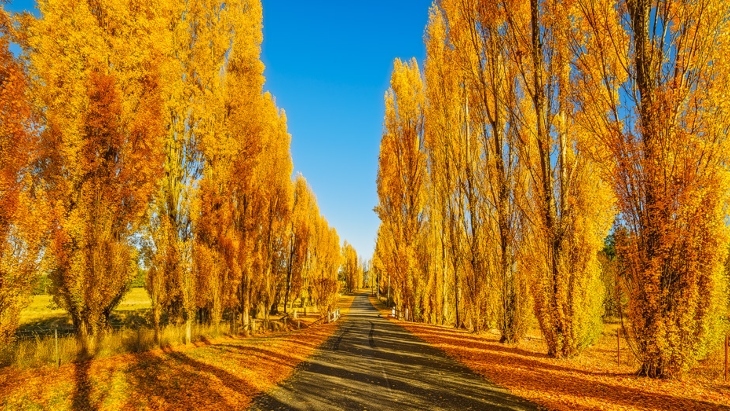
(371, 363)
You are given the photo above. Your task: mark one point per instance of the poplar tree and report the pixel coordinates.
(101, 105)
(402, 175)
(569, 209)
(22, 205)
(656, 76)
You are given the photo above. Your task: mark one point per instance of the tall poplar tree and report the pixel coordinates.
(22, 205)
(442, 115)
(402, 175)
(478, 32)
(656, 75)
(100, 99)
(568, 208)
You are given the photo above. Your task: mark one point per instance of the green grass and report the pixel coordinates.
(41, 308)
(135, 299)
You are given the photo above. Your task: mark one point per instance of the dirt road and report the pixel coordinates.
(375, 364)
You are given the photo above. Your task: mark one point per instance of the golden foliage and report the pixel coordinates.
(101, 103)
(656, 106)
(508, 212)
(351, 268)
(401, 178)
(22, 204)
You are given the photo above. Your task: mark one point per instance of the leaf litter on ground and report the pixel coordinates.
(591, 381)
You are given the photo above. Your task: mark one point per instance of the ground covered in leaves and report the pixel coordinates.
(592, 381)
(221, 374)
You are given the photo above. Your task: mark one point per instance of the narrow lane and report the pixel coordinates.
(374, 364)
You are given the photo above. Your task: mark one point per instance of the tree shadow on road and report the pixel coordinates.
(371, 363)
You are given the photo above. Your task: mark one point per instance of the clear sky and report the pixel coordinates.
(328, 64)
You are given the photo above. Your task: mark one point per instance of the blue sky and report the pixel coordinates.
(328, 64)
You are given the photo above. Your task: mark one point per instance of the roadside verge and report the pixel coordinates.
(224, 374)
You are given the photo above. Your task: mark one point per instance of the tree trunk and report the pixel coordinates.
(246, 304)
(188, 329)
(289, 273)
(83, 336)
(156, 313)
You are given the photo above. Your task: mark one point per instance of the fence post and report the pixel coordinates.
(618, 346)
(58, 360)
(727, 343)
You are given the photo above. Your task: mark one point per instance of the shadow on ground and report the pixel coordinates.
(175, 380)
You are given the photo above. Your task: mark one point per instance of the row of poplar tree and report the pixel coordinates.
(538, 127)
(137, 135)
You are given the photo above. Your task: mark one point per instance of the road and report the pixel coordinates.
(371, 363)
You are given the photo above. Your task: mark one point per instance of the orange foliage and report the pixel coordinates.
(101, 149)
(656, 106)
(22, 227)
(160, 154)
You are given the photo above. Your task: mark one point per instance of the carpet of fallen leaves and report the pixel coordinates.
(221, 374)
(592, 381)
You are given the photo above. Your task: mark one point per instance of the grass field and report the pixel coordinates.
(135, 299)
(592, 381)
(43, 310)
(43, 314)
